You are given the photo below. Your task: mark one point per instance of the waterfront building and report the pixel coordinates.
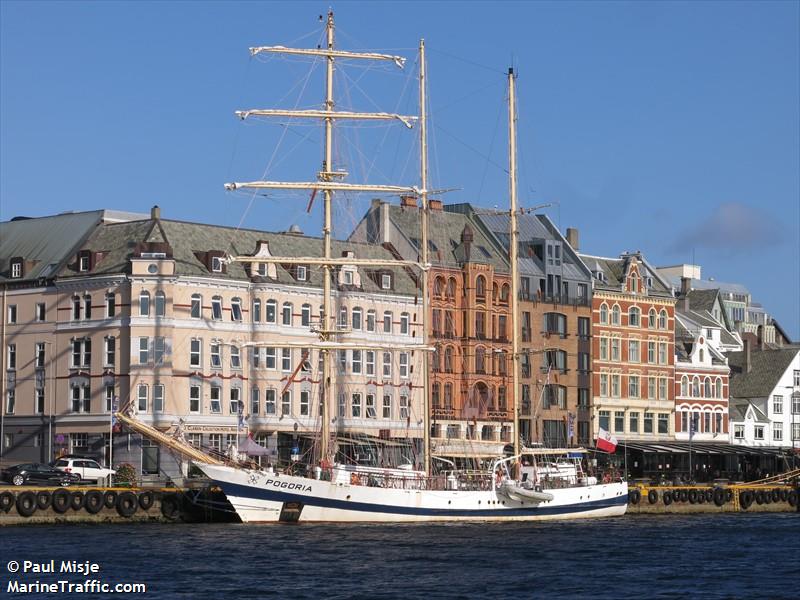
(633, 350)
(469, 323)
(149, 313)
(555, 323)
(765, 397)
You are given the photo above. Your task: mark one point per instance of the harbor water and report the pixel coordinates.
(697, 556)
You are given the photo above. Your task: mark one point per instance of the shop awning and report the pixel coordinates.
(700, 448)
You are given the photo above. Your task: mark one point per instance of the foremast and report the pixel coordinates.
(512, 253)
(328, 182)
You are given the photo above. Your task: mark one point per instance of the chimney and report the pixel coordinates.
(155, 213)
(760, 334)
(435, 205)
(572, 238)
(747, 362)
(408, 201)
(466, 239)
(686, 287)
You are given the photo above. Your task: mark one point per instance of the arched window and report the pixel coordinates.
(436, 360)
(604, 313)
(615, 315)
(651, 318)
(387, 321)
(236, 309)
(356, 318)
(448, 395)
(702, 355)
(286, 313)
(480, 287)
(707, 386)
(371, 319)
(718, 388)
(480, 360)
(495, 292)
(634, 316)
(197, 306)
(271, 311)
(634, 283)
(305, 315)
(684, 386)
(662, 319)
(448, 359)
(216, 308)
(696, 387)
(435, 399)
(256, 310)
(451, 287)
(438, 287)
(505, 292)
(405, 323)
(161, 304)
(144, 303)
(343, 316)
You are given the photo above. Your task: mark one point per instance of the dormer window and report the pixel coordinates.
(16, 269)
(386, 281)
(262, 269)
(216, 264)
(302, 273)
(348, 278)
(83, 262)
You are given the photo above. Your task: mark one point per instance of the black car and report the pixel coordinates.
(37, 473)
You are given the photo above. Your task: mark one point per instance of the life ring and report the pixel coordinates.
(77, 500)
(719, 496)
(169, 506)
(746, 499)
(110, 499)
(667, 497)
(634, 497)
(43, 500)
(61, 501)
(26, 504)
(791, 498)
(652, 496)
(6, 501)
(760, 497)
(776, 495)
(127, 504)
(146, 500)
(692, 496)
(94, 502)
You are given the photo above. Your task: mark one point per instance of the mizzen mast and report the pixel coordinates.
(512, 253)
(423, 154)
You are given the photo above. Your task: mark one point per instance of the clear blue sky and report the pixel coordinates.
(668, 127)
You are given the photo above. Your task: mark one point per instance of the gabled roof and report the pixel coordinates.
(616, 269)
(702, 300)
(46, 243)
(117, 244)
(766, 368)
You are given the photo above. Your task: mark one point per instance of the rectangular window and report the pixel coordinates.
(404, 365)
(286, 403)
(583, 397)
(605, 418)
(342, 405)
(619, 421)
(216, 308)
(356, 364)
(387, 407)
(795, 432)
(12, 314)
(215, 441)
(583, 322)
(158, 398)
(370, 363)
(270, 396)
(370, 320)
(197, 307)
(236, 358)
(777, 431)
(111, 351)
(386, 281)
(371, 412)
(271, 311)
(160, 349)
(633, 386)
(40, 314)
(603, 348)
(651, 388)
(11, 356)
(648, 422)
(777, 404)
(404, 414)
(235, 401)
(718, 422)
(236, 310)
(615, 349)
(216, 355)
(142, 397)
(256, 311)
(796, 404)
(796, 378)
(662, 353)
(305, 403)
(583, 362)
(286, 359)
(40, 400)
(195, 347)
(302, 273)
(633, 422)
(387, 364)
(662, 388)
(286, 314)
(11, 401)
(405, 323)
(355, 406)
(663, 422)
(651, 353)
(144, 350)
(271, 358)
(633, 351)
(738, 432)
(758, 432)
(615, 385)
(604, 385)
(387, 322)
(216, 399)
(342, 361)
(194, 398)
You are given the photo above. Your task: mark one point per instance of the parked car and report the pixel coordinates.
(86, 469)
(38, 473)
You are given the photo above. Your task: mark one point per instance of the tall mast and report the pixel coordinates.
(326, 175)
(512, 252)
(423, 154)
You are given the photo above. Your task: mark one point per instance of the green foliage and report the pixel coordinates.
(126, 474)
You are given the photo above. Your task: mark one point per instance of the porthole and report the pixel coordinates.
(152, 268)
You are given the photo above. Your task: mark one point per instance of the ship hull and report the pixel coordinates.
(259, 497)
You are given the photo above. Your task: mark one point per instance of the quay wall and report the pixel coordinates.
(706, 499)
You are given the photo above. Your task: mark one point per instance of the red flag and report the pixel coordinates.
(605, 441)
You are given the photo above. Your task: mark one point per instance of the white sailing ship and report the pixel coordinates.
(532, 484)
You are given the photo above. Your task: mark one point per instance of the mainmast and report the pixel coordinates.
(423, 154)
(512, 253)
(329, 181)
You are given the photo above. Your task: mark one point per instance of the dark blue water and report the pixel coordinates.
(719, 556)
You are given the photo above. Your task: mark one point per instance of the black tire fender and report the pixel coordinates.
(61, 500)
(110, 499)
(146, 500)
(684, 495)
(170, 507)
(791, 498)
(760, 497)
(127, 504)
(692, 496)
(94, 502)
(776, 495)
(667, 498)
(719, 496)
(43, 500)
(77, 500)
(6, 501)
(745, 499)
(26, 504)
(652, 496)
(784, 495)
